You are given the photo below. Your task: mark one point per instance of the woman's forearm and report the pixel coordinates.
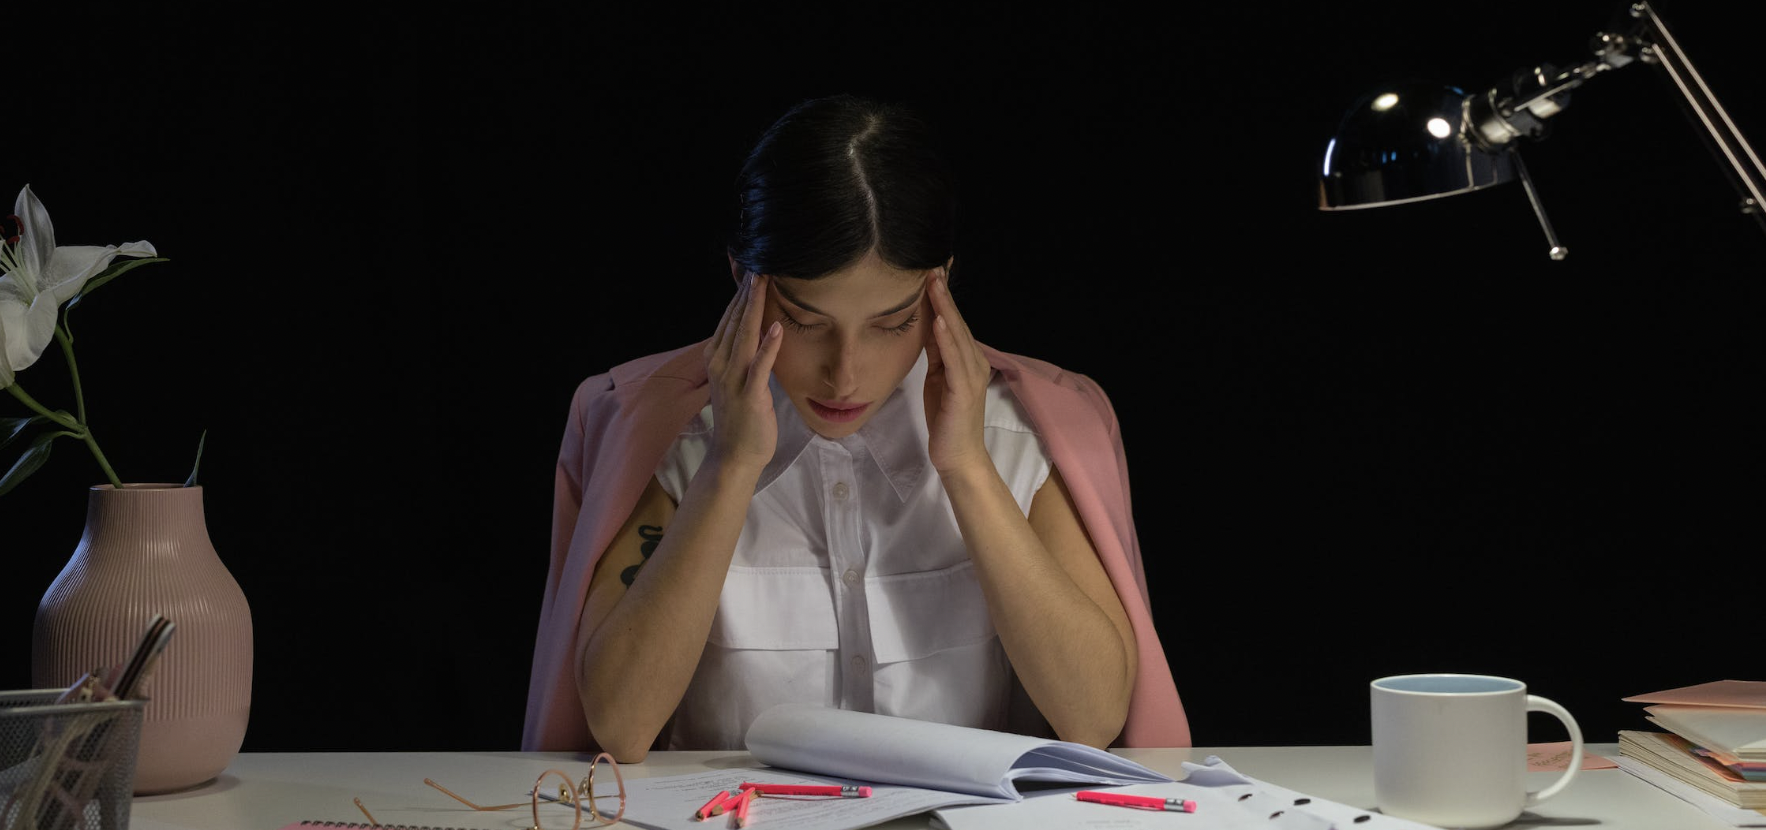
(638, 655)
(1075, 661)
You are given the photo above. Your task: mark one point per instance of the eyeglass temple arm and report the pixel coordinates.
(457, 797)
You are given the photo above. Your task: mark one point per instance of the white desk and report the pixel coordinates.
(268, 790)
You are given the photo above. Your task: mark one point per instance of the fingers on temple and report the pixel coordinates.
(934, 353)
(947, 308)
(761, 367)
(729, 325)
(723, 323)
(748, 327)
(956, 343)
(714, 346)
(951, 354)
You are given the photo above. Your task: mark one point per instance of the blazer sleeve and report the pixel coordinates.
(620, 424)
(1079, 426)
(554, 718)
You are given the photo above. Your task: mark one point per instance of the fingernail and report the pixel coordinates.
(773, 331)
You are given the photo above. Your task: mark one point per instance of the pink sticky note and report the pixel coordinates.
(1748, 693)
(1550, 757)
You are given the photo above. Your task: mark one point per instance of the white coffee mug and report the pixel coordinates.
(1451, 749)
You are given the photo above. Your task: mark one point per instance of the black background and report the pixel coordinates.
(1361, 443)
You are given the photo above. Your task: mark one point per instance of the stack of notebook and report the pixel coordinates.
(1712, 736)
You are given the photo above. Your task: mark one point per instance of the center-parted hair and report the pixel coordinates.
(836, 177)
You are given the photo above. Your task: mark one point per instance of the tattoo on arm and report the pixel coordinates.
(651, 534)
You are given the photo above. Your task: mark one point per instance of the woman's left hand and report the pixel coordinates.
(956, 386)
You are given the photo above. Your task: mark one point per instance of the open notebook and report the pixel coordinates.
(912, 767)
(936, 756)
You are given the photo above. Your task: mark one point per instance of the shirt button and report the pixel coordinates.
(851, 576)
(840, 490)
(858, 664)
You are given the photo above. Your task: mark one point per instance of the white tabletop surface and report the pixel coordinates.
(269, 790)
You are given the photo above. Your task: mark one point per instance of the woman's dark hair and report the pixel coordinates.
(836, 177)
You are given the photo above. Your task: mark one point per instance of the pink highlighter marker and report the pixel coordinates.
(1143, 802)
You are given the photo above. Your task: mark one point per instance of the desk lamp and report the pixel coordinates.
(1417, 140)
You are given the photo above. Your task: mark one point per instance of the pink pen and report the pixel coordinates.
(842, 790)
(1143, 802)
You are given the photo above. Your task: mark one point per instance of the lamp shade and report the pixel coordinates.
(1406, 142)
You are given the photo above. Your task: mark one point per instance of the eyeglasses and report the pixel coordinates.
(547, 807)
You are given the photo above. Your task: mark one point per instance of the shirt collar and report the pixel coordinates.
(894, 438)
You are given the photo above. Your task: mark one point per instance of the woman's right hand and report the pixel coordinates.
(738, 362)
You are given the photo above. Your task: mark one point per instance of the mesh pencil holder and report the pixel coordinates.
(67, 766)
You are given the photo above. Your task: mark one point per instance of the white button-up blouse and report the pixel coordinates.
(851, 586)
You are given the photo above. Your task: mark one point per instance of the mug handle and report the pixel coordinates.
(1539, 704)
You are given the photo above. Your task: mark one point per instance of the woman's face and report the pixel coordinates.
(849, 339)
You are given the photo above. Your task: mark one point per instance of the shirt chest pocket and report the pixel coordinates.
(775, 609)
(917, 615)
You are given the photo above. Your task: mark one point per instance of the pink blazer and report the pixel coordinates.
(622, 421)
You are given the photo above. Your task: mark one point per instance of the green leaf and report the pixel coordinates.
(191, 481)
(33, 457)
(12, 428)
(117, 268)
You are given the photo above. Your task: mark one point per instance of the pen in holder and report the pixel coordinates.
(67, 757)
(67, 766)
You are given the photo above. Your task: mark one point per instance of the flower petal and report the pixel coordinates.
(11, 289)
(15, 328)
(6, 374)
(72, 265)
(36, 234)
(27, 338)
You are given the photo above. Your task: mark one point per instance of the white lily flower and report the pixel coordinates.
(39, 277)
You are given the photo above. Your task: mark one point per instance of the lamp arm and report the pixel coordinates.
(1501, 115)
(1726, 141)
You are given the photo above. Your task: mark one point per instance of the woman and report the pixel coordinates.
(841, 497)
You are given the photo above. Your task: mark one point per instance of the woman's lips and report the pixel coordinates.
(838, 413)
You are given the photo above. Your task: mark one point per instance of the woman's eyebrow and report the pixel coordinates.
(906, 304)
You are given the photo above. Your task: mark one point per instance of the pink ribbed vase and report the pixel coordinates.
(146, 551)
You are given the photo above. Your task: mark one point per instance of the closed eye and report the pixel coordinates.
(792, 323)
(905, 324)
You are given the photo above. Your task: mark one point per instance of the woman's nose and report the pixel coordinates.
(842, 372)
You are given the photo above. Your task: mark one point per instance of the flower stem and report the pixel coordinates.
(79, 428)
(102, 461)
(73, 371)
(62, 418)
